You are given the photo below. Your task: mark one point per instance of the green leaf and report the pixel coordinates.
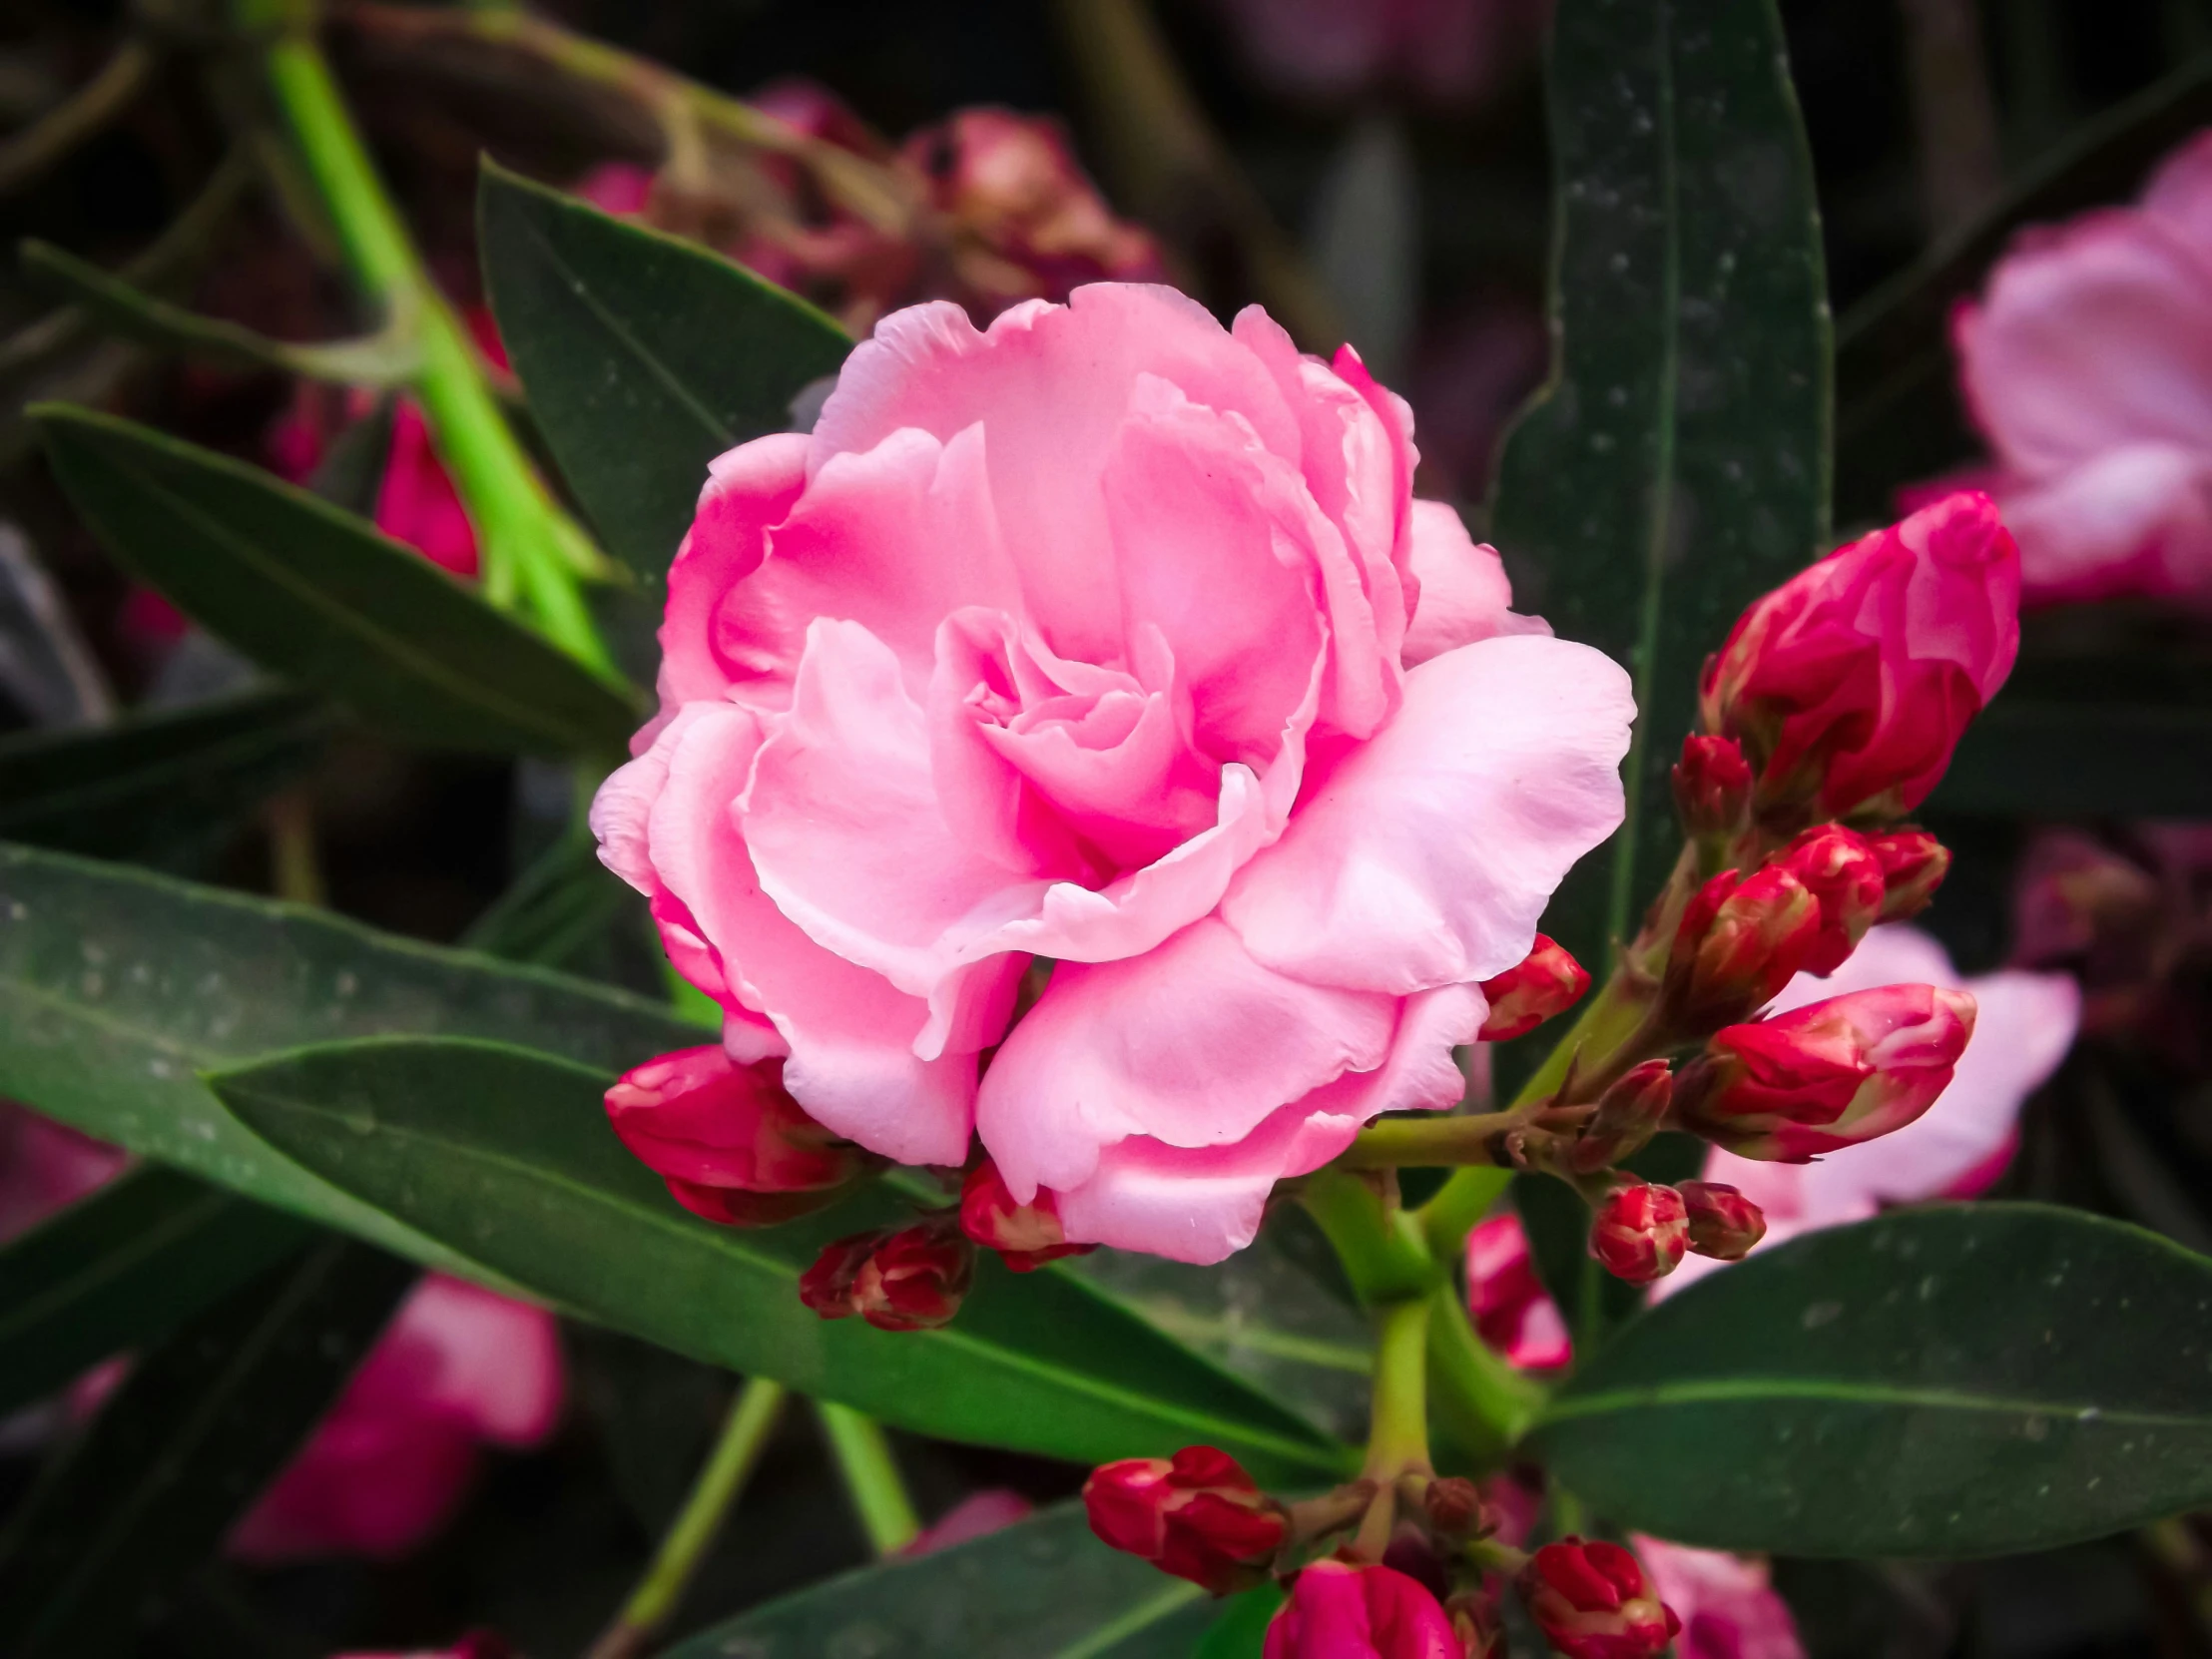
(506, 1156)
(158, 782)
(1898, 417)
(183, 1449)
(122, 1268)
(320, 596)
(2082, 760)
(117, 986)
(1044, 1588)
(1954, 1382)
(644, 357)
(1677, 465)
(1240, 1632)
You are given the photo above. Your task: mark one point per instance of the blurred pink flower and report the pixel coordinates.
(1448, 51)
(2087, 365)
(47, 1166)
(458, 1366)
(477, 1644)
(1507, 1299)
(1727, 1608)
(975, 1517)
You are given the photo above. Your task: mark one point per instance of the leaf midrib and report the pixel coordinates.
(1841, 1390)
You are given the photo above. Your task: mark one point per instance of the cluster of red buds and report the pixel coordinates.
(1642, 1230)
(1427, 1585)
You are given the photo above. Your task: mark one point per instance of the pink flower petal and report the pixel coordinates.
(1465, 596)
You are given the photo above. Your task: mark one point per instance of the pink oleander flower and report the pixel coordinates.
(1113, 637)
(1507, 1302)
(459, 1366)
(2087, 365)
(2023, 1026)
(1341, 1611)
(1849, 685)
(477, 1644)
(978, 1516)
(1728, 1607)
(1447, 50)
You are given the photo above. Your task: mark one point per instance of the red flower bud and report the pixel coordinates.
(1827, 1075)
(899, 1279)
(1545, 983)
(1026, 1236)
(1723, 1223)
(1339, 1610)
(731, 1145)
(1739, 943)
(1849, 685)
(1197, 1515)
(1454, 1505)
(1913, 864)
(1592, 1601)
(1640, 1232)
(1839, 869)
(1711, 787)
(1628, 1115)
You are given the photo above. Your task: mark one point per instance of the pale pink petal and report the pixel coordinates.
(1727, 1603)
(747, 490)
(2135, 519)
(2179, 196)
(1464, 595)
(498, 1361)
(1429, 854)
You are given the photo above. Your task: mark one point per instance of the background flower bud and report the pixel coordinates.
(1026, 1236)
(1740, 941)
(1724, 1224)
(1640, 1232)
(1913, 864)
(1827, 1075)
(1841, 871)
(1454, 1505)
(1628, 1115)
(1197, 1515)
(1545, 983)
(1711, 787)
(1592, 1601)
(1341, 1611)
(730, 1142)
(906, 1279)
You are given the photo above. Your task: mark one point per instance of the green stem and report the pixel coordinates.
(1398, 1430)
(1384, 1250)
(529, 545)
(743, 1433)
(863, 1455)
(1481, 1400)
(1450, 1216)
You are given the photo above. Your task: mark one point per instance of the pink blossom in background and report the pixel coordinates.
(975, 1517)
(1507, 1299)
(46, 1166)
(1726, 1605)
(1960, 1144)
(1114, 637)
(459, 1366)
(2087, 365)
(477, 1644)
(1448, 51)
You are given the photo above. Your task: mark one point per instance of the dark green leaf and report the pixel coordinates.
(1044, 1589)
(506, 1156)
(122, 1268)
(1241, 1631)
(183, 1448)
(2082, 760)
(117, 986)
(1677, 465)
(644, 357)
(1898, 416)
(1970, 1380)
(155, 783)
(320, 596)
(558, 907)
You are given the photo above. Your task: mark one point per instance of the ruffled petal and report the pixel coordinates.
(1464, 595)
(2136, 519)
(748, 491)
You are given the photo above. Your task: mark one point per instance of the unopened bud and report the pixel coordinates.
(1197, 1515)
(905, 1279)
(1454, 1504)
(1545, 983)
(1740, 941)
(1026, 1236)
(1913, 864)
(1640, 1232)
(1476, 1623)
(1841, 871)
(1827, 1075)
(1711, 787)
(729, 1140)
(1592, 1601)
(1628, 1115)
(1723, 1223)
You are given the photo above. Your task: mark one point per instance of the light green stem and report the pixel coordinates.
(1398, 1430)
(1383, 1251)
(743, 1433)
(528, 544)
(1481, 1400)
(863, 1455)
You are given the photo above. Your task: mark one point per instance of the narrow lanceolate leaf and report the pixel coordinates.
(320, 597)
(117, 987)
(158, 782)
(183, 1449)
(1044, 1589)
(1677, 465)
(506, 1156)
(122, 1268)
(644, 357)
(1971, 1381)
